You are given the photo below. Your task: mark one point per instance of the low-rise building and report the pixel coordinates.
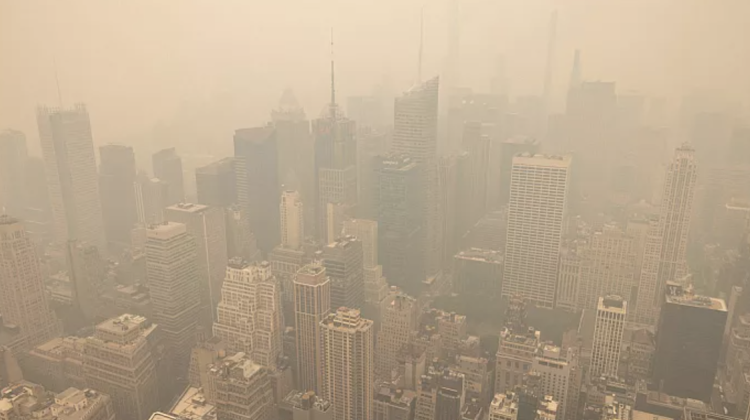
(29, 401)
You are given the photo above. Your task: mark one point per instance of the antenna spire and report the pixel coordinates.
(421, 45)
(57, 82)
(333, 83)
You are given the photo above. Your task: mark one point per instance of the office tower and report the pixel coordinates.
(70, 167)
(367, 232)
(38, 213)
(688, 343)
(10, 370)
(502, 157)
(167, 167)
(343, 263)
(215, 183)
(559, 378)
(518, 345)
(151, 198)
(203, 355)
(304, 405)
(312, 304)
(249, 317)
(255, 152)
(87, 272)
(665, 247)
(348, 368)
(13, 158)
(26, 400)
(240, 239)
(23, 302)
(172, 277)
(242, 389)
(608, 266)
(477, 144)
(393, 403)
(676, 208)
(538, 200)
(398, 320)
(206, 225)
(569, 276)
(292, 220)
(397, 197)
(415, 135)
(440, 395)
(117, 360)
(116, 179)
(449, 169)
(56, 364)
(504, 407)
(370, 144)
(478, 272)
(611, 313)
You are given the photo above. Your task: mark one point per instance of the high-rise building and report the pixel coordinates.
(256, 166)
(665, 248)
(501, 157)
(393, 403)
(688, 343)
(348, 368)
(215, 183)
(676, 208)
(608, 266)
(240, 239)
(70, 166)
(87, 272)
(206, 226)
(504, 407)
(292, 220)
(167, 166)
(415, 135)
(477, 144)
(13, 158)
(398, 320)
(116, 179)
(172, 278)
(611, 314)
(241, 388)
(304, 405)
(367, 232)
(343, 262)
(397, 201)
(440, 395)
(538, 200)
(559, 378)
(249, 317)
(117, 360)
(151, 198)
(23, 301)
(517, 348)
(335, 164)
(312, 304)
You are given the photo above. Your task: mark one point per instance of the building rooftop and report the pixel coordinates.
(122, 323)
(555, 161)
(688, 298)
(346, 319)
(165, 230)
(192, 405)
(189, 207)
(482, 255)
(31, 401)
(393, 395)
(304, 400)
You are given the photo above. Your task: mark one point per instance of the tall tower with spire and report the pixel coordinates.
(335, 165)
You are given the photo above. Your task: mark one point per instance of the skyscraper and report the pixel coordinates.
(117, 360)
(292, 220)
(676, 208)
(215, 183)
(70, 167)
(343, 262)
(206, 226)
(538, 200)
(398, 320)
(348, 368)
(559, 378)
(376, 286)
(688, 343)
(23, 301)
(172, 277)
(242, 389)
(167, 167)
(87, 272)
(256, 160)
(312, 304)
(477, 143)
(611, 314)
(397, 197)
(116, 180)
(506, 151)
(249, 317)
(665, 248)
(415, 135)
(151, 198)
(13, 157)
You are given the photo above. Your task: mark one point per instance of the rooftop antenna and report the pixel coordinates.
(421, 45)
(57, 82)
(333, 83)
